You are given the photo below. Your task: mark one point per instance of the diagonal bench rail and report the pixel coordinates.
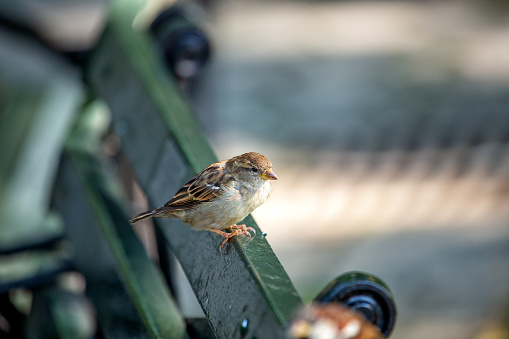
(245, 293)
(128, 291)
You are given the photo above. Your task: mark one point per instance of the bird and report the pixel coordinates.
(220, 196)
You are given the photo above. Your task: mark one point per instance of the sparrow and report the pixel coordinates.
(331, 321)
(220, 196)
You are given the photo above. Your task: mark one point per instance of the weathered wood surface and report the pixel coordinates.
(128, 291)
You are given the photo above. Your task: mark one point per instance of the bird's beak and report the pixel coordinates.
(269, 175)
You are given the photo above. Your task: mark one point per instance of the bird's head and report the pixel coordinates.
(251, 167)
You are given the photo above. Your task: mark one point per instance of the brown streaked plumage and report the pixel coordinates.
(221, 195)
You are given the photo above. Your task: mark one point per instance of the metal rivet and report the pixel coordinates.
(244, 326)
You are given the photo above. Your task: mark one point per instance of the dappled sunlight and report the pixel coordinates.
(330, 201)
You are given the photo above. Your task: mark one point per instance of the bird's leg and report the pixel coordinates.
(237, 230)
(227, 236)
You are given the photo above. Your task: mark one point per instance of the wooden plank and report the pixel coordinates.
(116, 313)
(246, 292)
(107, 250)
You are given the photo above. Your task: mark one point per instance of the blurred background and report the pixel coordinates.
(387, 123)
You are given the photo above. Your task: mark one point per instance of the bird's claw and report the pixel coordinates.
(244, 229)
(222, 245)
(237, 230)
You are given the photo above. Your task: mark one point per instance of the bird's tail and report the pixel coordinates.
(142, 216)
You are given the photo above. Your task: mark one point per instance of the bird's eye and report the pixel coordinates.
(254, 169)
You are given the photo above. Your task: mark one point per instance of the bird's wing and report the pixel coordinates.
(205, 186)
